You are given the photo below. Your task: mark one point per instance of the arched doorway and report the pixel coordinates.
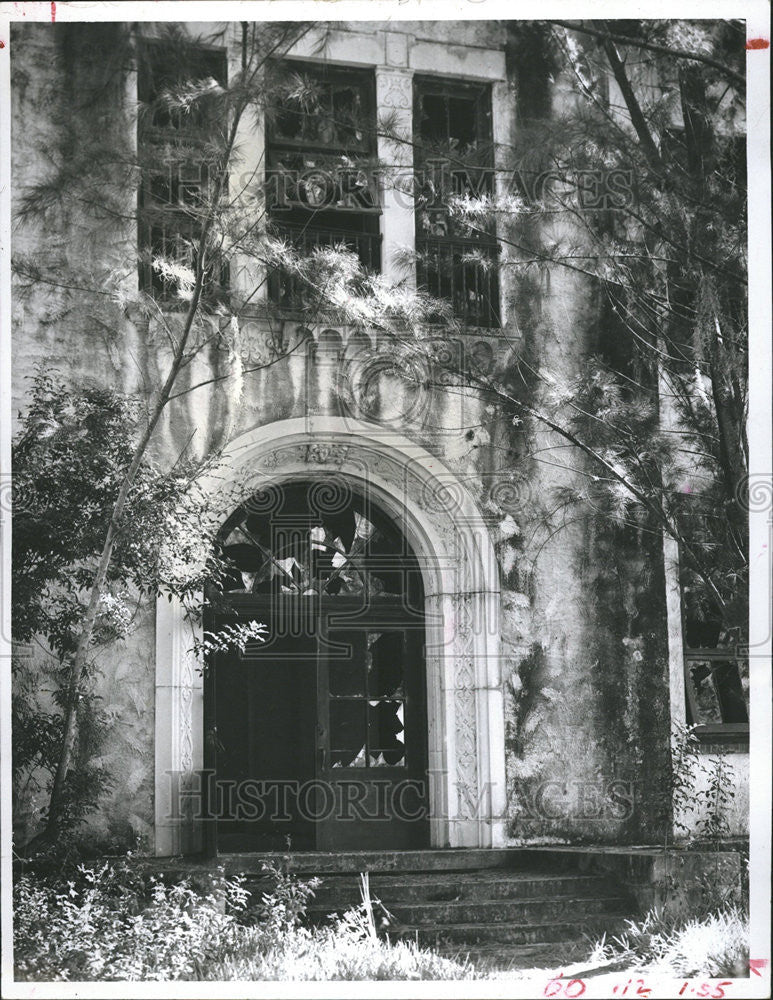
(446, 531)
(316, 737)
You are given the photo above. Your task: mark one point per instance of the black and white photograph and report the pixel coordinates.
(386, 499)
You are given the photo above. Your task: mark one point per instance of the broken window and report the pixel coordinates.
(716, 680)
(303, 540)
(321, 177)
(178, 143)
(454, 159)
(367, 703)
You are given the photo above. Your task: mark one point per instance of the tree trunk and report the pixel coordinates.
(51, 830)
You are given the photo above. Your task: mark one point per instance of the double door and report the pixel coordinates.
(317, 738)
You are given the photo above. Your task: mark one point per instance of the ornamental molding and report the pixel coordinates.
(398, 93)
(324, 453)
(394, 90)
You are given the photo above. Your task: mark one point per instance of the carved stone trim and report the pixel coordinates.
(324, 453)
(178, 735)
(398, 88)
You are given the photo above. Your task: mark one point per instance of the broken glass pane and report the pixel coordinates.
(386, 663)
(307, 539)
(348, 729)
(386, 738)
(706, 699)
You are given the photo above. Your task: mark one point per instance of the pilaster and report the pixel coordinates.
(394, 106)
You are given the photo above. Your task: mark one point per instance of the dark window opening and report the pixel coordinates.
(322, 181)
(178, 152)
(716, 679)
(165, 65)
(615, 339)
(298, 541)
(457, 258)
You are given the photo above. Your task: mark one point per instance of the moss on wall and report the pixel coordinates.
(583, 648)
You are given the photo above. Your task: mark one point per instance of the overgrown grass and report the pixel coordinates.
(714, 945)
(114, 923)
(334, 953)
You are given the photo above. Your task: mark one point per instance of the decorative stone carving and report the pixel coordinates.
(186, 737)
(177, 727)
(326, 453)
(399, 91)
(466, 755)
(464, 701)
(482, 356)
(186, 719)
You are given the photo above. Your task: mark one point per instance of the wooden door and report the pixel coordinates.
(318, 737)
(260, 737)
(372, 757)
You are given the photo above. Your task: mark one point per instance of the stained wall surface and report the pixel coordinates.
(583, 645)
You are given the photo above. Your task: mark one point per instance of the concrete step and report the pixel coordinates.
(506, 908)
(452, 886)
(434, 860)
(531, 911)
(468, 935)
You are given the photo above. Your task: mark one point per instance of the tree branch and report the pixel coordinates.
(665, 50)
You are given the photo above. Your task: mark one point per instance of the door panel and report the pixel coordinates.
(265, 728)
(372, 753)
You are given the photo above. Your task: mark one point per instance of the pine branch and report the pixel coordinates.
(638, 43)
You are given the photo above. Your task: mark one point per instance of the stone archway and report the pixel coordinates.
(464, 693)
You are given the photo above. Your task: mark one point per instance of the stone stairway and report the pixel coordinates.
(504, 908)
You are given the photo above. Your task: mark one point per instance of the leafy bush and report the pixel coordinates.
(113, 923)
(701, 791)
(284, 907)
(116, 923)
(69, 460)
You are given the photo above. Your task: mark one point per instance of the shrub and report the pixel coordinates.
(115, 923)
(284, 907)
(112, 923)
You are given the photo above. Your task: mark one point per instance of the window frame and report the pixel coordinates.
(486, 244)
(721, 731)
(332, 73)
(356, 226)
(172, 216)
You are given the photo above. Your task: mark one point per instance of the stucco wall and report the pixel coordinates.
(584, 653)
(711, 811)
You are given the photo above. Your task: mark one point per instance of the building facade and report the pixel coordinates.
(505, 678)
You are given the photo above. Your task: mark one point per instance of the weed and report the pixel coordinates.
(714, 945)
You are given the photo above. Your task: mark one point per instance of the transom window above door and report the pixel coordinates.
(315, 538)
